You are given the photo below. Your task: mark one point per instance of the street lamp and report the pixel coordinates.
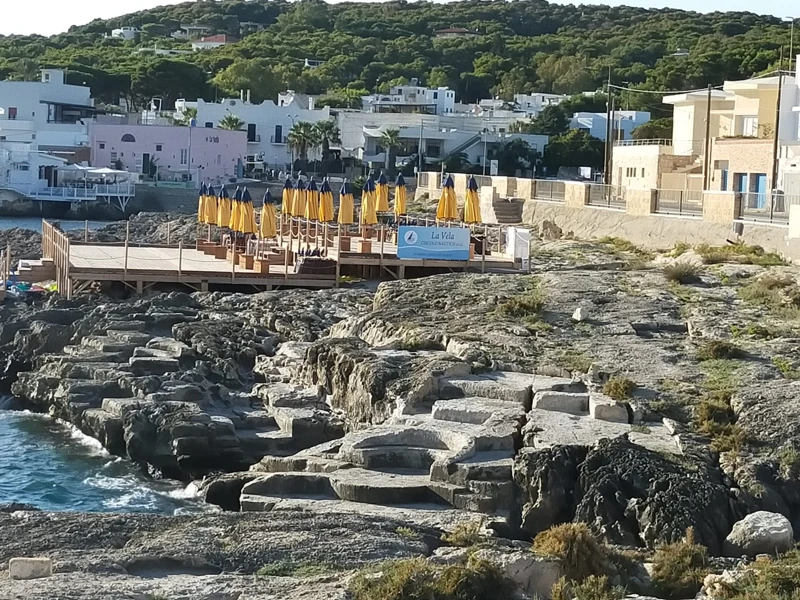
(291, 165)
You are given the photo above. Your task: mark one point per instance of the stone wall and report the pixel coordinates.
(158, 199)
(742, 156)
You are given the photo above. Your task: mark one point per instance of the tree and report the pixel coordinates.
(231, 122)
(515, 155)
(390, 142)
(25, 69)
(303, 139)
(456, 162)
(574, 149)
(191, 113)
(327, 133)
(657, 129)
(551, 121)
(255, 75)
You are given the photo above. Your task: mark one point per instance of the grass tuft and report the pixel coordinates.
(739, 253)
(719, 350)
(770, 579)
(578, 549)
(679, 568)
(464, 535)
(681, 272)
(622, 245)
(619, 388)
(714, 417)
(591, 588)
(285, 568)
(525, 307)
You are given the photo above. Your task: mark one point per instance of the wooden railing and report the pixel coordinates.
(55, 246)
(5, 270)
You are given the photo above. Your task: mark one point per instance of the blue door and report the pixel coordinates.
(761, 190)
(740, 182)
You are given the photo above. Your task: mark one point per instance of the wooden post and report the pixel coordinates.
(382, 234)
(180, 258)
(125, 265)
(286, 255)
(86, 231)
(233, 262)
(67, 282)
(483, 248)
(325, 236)
(499, 238)
(338, 252)
(530, 253)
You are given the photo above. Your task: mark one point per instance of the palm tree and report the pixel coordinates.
(302, 139)
(186, 117)
(327, 133)
(231, 122)
(390, 141)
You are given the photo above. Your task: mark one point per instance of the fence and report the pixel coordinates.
(56, 246)
(549, 190)
(765, 207)
(609, 196)
(685, 203)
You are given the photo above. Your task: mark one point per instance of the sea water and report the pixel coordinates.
(35, 223)
(54, 467)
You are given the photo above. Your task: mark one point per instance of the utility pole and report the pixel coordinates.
(607, 157)
(775, 143)
(707, 144)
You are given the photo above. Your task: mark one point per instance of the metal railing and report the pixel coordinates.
(549, 190)
(765, 207)
(651, 142)
(685, 203)
(254, 139)
(73, 194)
(279, 139)
(608, 196)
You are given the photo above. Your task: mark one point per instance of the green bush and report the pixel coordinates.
(739, 253)
(464, 535)
(578, 549)
(679, 568)
(771, 579)
(719, 350)
(416, 579)
(681, 272)
(714, 417)
(619, 388)
(285, 568)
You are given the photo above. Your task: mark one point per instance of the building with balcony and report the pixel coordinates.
(412, 98)
(190, 32)
(213, 41)
(266, 125)
(170, 153)
(125, 33)
(596, 124)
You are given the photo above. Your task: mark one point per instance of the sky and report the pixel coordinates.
(48, 17)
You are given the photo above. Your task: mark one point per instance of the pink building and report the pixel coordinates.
(169, 153)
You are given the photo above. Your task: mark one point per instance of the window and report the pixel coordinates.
(642, 171)
(184, 156)
(435, 95)
(251, 132)
(12, 113)
(159, 147)
(724, 181)
(102, 145)
(113, 156)
(128, 138)
(750, 126)
(278, 134)
(209, 125)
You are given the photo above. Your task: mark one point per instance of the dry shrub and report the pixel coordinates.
(719, 350)
(681, 272)
(619, 388)
(580, 552)
(679, 568)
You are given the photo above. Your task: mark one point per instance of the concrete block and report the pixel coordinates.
(566, 402)
(603, 408)
(30, 568)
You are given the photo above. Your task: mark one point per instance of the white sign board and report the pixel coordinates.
(493, 168)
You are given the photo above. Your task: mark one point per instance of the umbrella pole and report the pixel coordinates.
(208, 238)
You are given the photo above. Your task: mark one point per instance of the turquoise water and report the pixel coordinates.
(55, 467)
(35, 223)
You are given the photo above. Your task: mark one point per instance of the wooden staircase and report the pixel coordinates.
(35, 271)
(508, 211)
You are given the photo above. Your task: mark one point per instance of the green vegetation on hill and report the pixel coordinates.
(521, 47)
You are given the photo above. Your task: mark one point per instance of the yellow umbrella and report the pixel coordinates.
(223, 208)
(210, 206)
(346, 205)
(312, 201)
(299, 202)
(247, 216)
(201, 205)
(369, 216)
(400, 196)
(287, 197)
(382, 194)
(325, 202)
(472, 204)
(447, 203)
(267, 228)
(235, 221)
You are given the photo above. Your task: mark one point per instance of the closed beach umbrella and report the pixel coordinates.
(382, 194)
(312, 201)
(369, 215)
(472, 204)
(400, 196)
(299, 202)
(287, 197)
(223, 207)
(210, 206)
(247, 215)
(236, 210)
(346, 204)
(201, 205)
(325, 202)
(447, 203)
(267, 228)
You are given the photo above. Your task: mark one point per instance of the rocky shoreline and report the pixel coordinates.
(602, 390)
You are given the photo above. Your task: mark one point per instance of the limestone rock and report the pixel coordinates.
(603, 408)
(760, 533)
(30, 568)
(580, 315)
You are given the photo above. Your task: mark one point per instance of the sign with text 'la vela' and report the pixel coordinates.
(433, 243)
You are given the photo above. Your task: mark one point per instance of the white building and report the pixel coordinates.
(212, 41)
(189, 32)
(412, 98)
(50, 111)
(125, 33)
(596, 124)
(267, 124)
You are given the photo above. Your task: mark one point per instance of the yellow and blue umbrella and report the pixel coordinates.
(399, 196)
(201, 205)
(247, 216)
(210, 206)
(287, 197)
(236, 211)
(369, 215)
(472, 204)
(382, 194)
(299, 202)
(447, 203)
(325, 202)
(223, 207)
(267, 228)
(346, 204)
(312, 201)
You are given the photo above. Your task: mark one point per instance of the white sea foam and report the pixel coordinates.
(187, 493)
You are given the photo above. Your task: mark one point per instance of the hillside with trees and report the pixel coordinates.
(518, 47)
